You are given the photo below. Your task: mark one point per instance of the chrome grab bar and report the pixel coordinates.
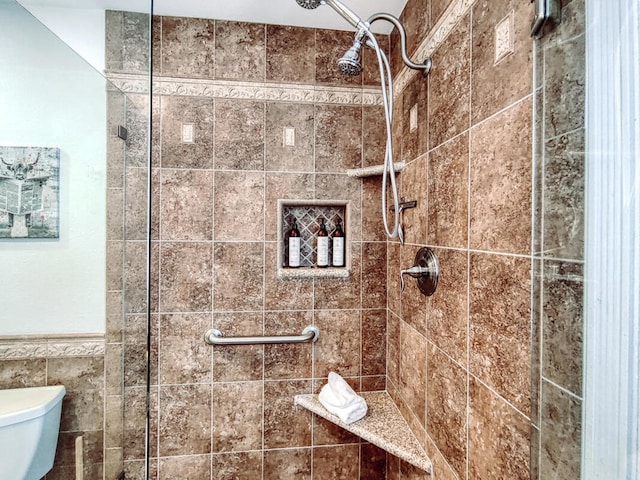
(214, 336)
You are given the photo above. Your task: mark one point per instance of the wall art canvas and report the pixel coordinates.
(29, 192)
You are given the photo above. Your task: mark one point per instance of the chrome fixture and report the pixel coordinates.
(311, 333)
(547, 14)
(404, 205)
(350, 64)
(425, 270)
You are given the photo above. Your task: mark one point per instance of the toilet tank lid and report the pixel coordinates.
(21, 404)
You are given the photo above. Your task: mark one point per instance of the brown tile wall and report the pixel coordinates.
(559, 259)
(459, 361)
(83, 408)
(227, 412)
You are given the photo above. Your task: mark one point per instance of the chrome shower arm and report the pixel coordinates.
(426, 66)
(346, 13)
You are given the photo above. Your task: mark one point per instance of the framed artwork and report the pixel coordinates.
(29, 192)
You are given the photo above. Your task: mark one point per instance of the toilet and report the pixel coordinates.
(29, 425)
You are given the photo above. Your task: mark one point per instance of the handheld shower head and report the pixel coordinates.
(309, 4)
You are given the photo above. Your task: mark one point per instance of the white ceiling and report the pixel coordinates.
(282, 12)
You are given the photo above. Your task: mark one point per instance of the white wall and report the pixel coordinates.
(83, 30)
(50, 97)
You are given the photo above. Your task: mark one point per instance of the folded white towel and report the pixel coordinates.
(340, 399)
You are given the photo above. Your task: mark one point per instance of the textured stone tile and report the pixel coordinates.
(447, 308)
(564, 82)
(374, 274)
(449, 84)
(284, 294)
(414, 303)
(372, 222)
(447, 408)
(239, 134)
(23, 373)
(281, 157)
(374, 342)
(183, 356)
(127, 42)
(187, 47)
(185, 277)
(498, 437)
(563, 196)
(374, 137)
(561, 420)
(338, 138)
(237, 416)
(285, 427)
(373, 462)
(416, 19)
(448, 208)
(179, 111)
(562, 324)
(137, 119)
(344, 188)
(64, 462)
(135, 403)
(341, 293)
(501, 182)
(297, 186)
(289, 463)
(393, 277)
(192, 466)
(287, 361)
(370, 66)
(291, 54)
(339, 350)
(500, 318)
(498, 85)
(413, 371)
(331, 45)
(240, 50)
(414, 187)
(415, 140)
(239, 206)
(238, 286)
(438, 7)
(336, 462)
(393, 349)
(187, 205)
(185, 420)
(239, 466)
(233, 363)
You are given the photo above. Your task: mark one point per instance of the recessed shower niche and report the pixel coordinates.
(308, 216)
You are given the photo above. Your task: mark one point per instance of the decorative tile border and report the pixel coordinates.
(15, 348)
(450, 18)
(277, 92)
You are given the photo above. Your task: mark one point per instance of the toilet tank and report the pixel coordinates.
(29, 425)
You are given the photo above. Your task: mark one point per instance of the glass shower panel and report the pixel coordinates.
(128, 39)
(557, 328)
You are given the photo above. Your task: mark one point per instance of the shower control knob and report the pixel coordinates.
(425, 270)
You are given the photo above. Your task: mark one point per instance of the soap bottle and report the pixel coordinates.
(294, 244)
(337, 240)
(322, 246)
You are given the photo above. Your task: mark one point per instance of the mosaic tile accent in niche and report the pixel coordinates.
(308, 220)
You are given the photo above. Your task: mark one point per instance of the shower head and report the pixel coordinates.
(350, 63)
(309, 4)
